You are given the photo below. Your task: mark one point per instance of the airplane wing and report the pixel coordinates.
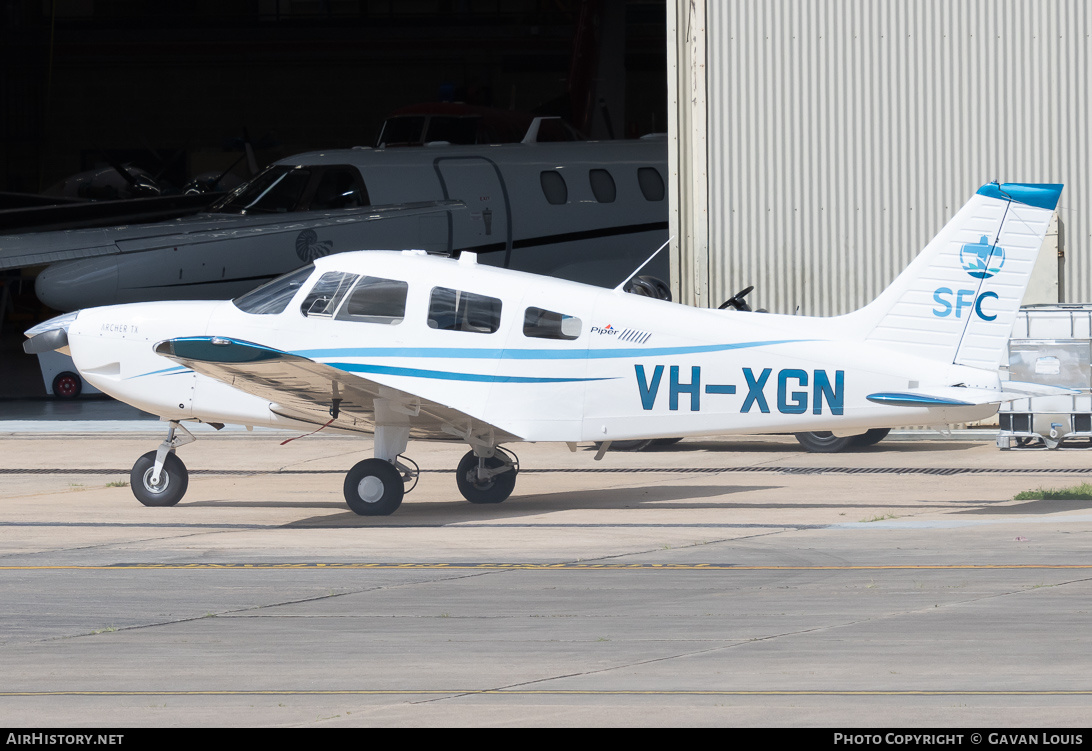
(963, 396)
(305, 390)
(39, 248)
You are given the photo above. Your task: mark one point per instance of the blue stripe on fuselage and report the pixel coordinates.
(460, 353)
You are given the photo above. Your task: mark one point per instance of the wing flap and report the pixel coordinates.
(313, 392)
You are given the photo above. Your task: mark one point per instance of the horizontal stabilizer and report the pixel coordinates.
(963, 396)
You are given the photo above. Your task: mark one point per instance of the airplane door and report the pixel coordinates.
(486, 225)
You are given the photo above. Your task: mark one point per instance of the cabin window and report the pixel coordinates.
(602, 186)
(554, 188)
(454, 310)
(652, 185)
(327, 294)
(273, 297)
(375, 300)
(546, 324)
(338, 188)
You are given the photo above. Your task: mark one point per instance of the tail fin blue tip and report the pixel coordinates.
(1040, 195)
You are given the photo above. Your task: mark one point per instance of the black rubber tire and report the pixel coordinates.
(494, 490)
(625, 445)
(374, 487)
(871, 437)
(67, 385)
(173, 480)
(824, 442)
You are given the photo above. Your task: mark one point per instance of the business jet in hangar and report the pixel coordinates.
(580, 210)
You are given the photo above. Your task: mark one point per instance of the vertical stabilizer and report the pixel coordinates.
(958, 300)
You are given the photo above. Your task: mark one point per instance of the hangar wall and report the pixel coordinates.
(818, 145)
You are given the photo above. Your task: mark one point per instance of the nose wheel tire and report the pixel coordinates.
(173, 480)
(494, 490)
(374, 487)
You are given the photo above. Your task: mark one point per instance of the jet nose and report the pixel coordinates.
(87, 283)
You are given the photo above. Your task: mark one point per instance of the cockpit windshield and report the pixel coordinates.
(276, 190)
(273, 297)
(283, 188)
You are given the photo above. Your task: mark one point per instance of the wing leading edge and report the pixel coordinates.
(303, 389)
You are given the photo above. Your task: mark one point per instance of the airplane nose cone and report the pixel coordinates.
(73, 285)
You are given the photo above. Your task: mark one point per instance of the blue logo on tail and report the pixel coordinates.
(982, 260)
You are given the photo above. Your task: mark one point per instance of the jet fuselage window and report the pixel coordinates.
(652, 185)
(546, 324)
(327, 293)
(375, 300)
(273, 297)
(554, 188)
(602, 186)
(454, 310)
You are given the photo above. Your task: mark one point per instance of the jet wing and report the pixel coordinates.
(305, 390)
(39, 248)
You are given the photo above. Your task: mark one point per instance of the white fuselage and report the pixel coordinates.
(637, 367)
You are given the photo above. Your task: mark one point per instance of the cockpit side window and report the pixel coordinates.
(546, 324)
(327, 294)
(375, 300)
(454, 310)
(273, 297)
(338, 188)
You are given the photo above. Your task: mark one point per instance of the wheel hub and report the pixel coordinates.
(370, 489)
(164, 481)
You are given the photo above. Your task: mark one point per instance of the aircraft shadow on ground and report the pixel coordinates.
(672, 497)
(781, 447)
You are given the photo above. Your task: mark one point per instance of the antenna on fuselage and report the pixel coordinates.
(621, 287)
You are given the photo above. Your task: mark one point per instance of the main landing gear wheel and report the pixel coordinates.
(871, 437)
(824, 442)
(173, 480)
(67, 385)
(626, 445)
(374, 487)
(493, 490)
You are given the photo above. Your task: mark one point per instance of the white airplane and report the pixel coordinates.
(407, 345)
(582, 210)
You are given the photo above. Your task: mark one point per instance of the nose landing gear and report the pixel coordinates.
(159, 478)
(375, 487)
